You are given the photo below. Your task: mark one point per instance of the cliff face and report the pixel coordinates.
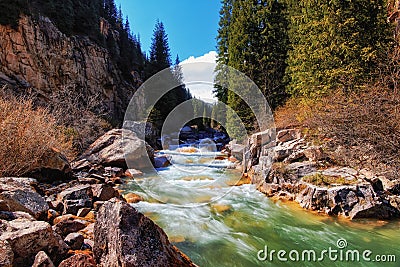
(37, 55)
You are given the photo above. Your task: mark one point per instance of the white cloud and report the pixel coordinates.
(202, 74)
(209, 57)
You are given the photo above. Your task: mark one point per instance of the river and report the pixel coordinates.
(221, 225)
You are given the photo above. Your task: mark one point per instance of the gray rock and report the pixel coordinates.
(288, 135)
(27, 238)
(301, 169)
(42, 260)
(119, 148)
(161, 162)
(284, 150)
(67, 224)
(13, 215)
(314, 153)
(113, 172)
(26, 201)
(237, 150)
(74, 241)
(125, 237)
(14, 183)
(75, 198)
(344, 172)
(295, 156)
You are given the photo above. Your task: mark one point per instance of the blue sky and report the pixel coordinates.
(191, 25)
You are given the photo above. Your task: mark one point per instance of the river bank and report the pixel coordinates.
(296, 170)
(75, 215)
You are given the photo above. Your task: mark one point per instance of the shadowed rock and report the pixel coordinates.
(125, 237)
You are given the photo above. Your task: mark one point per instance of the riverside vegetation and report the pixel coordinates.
(329, 69)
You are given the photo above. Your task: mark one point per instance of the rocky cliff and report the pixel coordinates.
(37, 55)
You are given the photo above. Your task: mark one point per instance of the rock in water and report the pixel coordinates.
(125, 237)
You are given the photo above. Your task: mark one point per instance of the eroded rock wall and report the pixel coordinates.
(37, 55)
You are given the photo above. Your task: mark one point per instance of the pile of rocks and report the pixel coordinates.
(83, 221)
(296, 170)
(64, 225)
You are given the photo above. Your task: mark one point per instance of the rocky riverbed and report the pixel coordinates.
(81, 219)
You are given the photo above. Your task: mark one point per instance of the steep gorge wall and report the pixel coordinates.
(37, 55)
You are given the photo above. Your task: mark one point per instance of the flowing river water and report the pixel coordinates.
(222, 225)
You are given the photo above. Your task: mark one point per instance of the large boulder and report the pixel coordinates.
(125, 237)
(117, 147)
(26, 238)
(53, 165)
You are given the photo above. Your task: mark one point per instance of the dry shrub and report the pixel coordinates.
(359, 129)
(364, 127)
(80, 116)
(26, 134)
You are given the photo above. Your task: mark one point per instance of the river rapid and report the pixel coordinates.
(217, 224)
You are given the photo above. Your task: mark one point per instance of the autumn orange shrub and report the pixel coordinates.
(360, 129)
(26, 134)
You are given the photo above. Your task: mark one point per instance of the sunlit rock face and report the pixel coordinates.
(38, 55)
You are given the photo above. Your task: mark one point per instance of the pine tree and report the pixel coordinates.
(159, 60)
(160, 57)
(257, 45)
(110, 12)
(335, 44)
(220, 91)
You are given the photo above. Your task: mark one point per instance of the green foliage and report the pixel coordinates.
(159, 60)
(252, 39)
(220, 91)
(335, 44)
(300, 48)
(160, 57)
